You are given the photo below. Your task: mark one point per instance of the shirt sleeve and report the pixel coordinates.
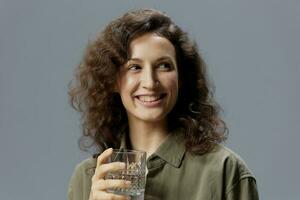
(244, 189)
(79, 187)
(70, 192)
(74, 185)
(240, 182)
(80, 181)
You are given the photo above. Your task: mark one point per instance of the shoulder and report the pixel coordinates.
(86, 164)
(230, 160)
(229, 167)
(221, 165)
(226, 172)
(85, 168)
(221, 160)
(227, 163)
(239, 181)
(80, 181)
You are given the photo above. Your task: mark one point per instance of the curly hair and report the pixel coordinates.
(103, 114)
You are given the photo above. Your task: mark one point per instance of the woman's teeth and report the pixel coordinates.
(150, 98)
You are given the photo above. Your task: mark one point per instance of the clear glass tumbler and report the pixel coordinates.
(135, 171)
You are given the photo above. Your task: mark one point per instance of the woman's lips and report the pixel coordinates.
(150, 100)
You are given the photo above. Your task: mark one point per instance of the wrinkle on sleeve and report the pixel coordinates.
(244, 189)
(239, 182)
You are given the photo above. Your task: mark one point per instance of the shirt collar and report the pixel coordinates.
(171, 150)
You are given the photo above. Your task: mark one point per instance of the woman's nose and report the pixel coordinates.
(149, 79)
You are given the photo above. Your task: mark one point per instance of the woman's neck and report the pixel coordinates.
(147, 136)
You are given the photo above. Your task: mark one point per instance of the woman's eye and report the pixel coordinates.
(165, 66)
(134, 67)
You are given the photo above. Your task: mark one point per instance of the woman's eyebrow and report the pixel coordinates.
(134, 59)
(157, 60)
(164, 58)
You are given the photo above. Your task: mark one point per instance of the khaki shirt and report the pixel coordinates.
(174, 173)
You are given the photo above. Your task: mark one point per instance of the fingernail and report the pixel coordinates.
(127, 182)
(122, 165)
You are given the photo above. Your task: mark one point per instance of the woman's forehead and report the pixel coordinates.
(151, 45)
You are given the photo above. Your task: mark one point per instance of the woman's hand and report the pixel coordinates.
(100, 185)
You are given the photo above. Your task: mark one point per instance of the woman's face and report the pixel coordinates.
(148, 82)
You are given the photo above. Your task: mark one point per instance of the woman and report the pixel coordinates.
(142, 85)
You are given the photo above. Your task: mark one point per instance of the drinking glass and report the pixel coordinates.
(135, 171)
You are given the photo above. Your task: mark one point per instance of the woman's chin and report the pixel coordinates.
(150, 117)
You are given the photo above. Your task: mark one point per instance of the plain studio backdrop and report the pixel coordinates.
(252, 50)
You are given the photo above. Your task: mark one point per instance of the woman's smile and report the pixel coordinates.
(150, 100)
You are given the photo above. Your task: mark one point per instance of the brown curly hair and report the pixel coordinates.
(104, 117)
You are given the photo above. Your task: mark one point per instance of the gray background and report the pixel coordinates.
(252, 49)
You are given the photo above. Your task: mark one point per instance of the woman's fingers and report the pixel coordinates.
(108, 196)
(103, 169)
(104, 156)
(100, 185)
(111, 183)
